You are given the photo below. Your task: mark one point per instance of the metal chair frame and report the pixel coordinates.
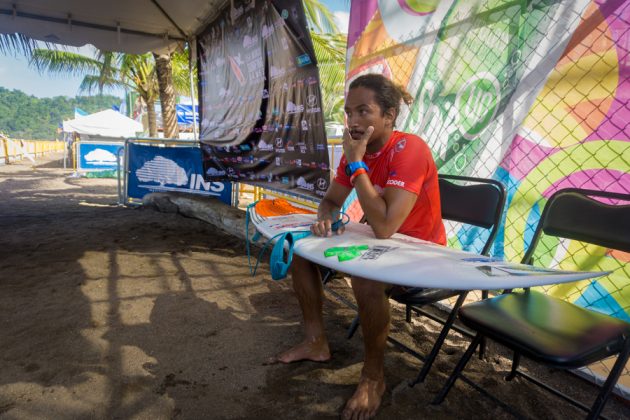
(570, 213)
(485, 213)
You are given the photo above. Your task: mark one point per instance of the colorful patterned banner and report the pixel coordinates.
(532, 93)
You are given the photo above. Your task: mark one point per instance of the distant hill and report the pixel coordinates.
(28, 117)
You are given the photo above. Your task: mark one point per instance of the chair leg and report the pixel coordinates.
(458, 369)
(408, 312)
(515, 362)
(613, 376)
(482, 347)
(353, 327)
(440, 340)
(327, 275)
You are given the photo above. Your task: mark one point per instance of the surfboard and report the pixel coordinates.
(402, 259)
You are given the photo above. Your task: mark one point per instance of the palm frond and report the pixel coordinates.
(319, 17)
(181, 78)
(58, 61)
(329, 48)
(16, 44)
(94, 83)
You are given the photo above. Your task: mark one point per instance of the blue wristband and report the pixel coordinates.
(353, 166)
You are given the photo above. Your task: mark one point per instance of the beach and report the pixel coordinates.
(109, 312)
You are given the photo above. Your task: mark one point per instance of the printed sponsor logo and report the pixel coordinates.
(166, 172)
(400, 145)
(249, 41)
(395, 182)
(303, 60)
(275, 72)
(213, 172)
(301, 183)
(322, 184)
(293, 108)
(477, 102)
(311, 100)
(263, 146)
(267, 31)
(375, 252)
(304, 125)
(100, 156)
(163, 171)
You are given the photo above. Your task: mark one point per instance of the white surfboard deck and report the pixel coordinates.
(407, 261)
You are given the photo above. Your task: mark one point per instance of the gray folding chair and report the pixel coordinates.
(549, 330)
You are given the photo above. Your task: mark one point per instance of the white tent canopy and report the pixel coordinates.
(108, 123)
(131, 26)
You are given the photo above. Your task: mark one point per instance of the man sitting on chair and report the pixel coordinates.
(396, 182)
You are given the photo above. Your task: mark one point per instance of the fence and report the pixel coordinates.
(14, 150)
(531, 93)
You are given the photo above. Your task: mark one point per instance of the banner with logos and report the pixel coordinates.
(98, 155)
(155, 168)
(261, 116)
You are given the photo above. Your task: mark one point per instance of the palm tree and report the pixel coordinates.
(330, 50)
(164, 73)
(135, 72)
(138, 72)
(169, 71)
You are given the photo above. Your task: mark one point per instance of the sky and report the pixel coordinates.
(15, 72)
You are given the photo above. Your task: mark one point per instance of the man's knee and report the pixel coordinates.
(368, 289)
(304, 270)
(299, 264)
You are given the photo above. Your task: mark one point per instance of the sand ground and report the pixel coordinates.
(113, 312)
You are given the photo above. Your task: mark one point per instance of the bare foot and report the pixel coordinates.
(365, 401)
(315, 350)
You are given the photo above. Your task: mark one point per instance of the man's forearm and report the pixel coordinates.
(327, 209)
(373, 205)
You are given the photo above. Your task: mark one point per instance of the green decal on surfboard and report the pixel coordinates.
(345, 253)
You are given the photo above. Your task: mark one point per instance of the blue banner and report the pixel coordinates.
(185, 114)
(159, 169)
(98, 156)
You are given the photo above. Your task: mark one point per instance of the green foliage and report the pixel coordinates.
(330, 49)
(27, 117)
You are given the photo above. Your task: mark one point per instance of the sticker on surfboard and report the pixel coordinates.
(501, 270)
(348, 253)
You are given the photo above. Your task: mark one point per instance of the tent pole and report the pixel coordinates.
(192, 55)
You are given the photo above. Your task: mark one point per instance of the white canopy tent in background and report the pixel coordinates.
(108, 123)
